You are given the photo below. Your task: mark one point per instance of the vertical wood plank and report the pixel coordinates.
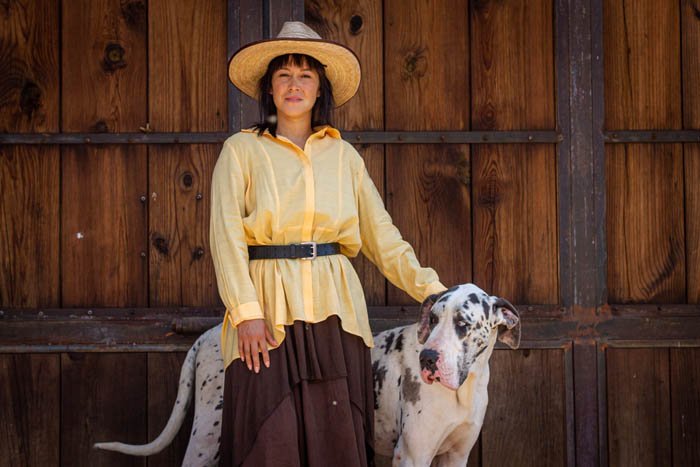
(251, 30)
(163, 377)
(29, 64)
(103, 66)
(181, 270)
(103, 398)
(29, 238)
(29, 414)
(685, 406)
(645, 182)
(639, 425)
(526, 391)
(103, 226)
(514, 186)
(187, 65)
(359, 26)
(428, 185)
(690, 41)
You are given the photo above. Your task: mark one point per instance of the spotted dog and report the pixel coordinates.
(451, 346)
(201, 374)
(413, 421)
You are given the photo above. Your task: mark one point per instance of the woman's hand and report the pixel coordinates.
(253, 334)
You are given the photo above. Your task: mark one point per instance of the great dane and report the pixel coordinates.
(416, 421)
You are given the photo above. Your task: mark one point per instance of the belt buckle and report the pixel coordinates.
(313, 250)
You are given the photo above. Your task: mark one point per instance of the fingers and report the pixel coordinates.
(253, 336)
(269, 337)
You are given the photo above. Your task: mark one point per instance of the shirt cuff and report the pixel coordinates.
(433, 288)
(246, 311)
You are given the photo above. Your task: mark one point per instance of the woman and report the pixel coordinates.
(291, 201)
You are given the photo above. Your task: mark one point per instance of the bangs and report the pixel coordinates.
(299, 60)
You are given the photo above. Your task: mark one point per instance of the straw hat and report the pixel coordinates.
(250, 62)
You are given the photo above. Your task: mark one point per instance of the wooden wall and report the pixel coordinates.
(126, 225)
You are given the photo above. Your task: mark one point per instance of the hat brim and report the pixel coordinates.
(342, 66)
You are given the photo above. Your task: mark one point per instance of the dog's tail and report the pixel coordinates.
(184, 396)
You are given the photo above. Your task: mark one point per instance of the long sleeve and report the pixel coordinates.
(228, 243)
(383, 245)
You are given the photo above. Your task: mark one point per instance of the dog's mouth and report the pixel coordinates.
(430, 377)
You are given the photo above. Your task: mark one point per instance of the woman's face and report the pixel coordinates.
(294, 90)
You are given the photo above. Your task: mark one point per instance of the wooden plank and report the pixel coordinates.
(163, 377)
(103, 226)
(526, 391)
(103, 66)
(359, 27)
(645, 219)
(103, 398)
(685, 406)
(690, 40)
(29, 418)
(187, 67)
(181, 272)
(251, 30)
(427, 186)
(29, 238)
(639, 412)
(514, 186)
(29, 64)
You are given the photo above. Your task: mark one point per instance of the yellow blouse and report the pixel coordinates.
(268, 191)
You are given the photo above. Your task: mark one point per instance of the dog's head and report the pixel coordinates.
(456, 328)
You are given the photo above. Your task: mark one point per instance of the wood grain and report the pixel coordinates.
(29, 237)
(181, 272)
(163, 377)
(103, 66)
(29, 62)
(251, 30)
(685, 406)
(428, 185)
(514, 187)
(639, 412)
(525, 419)
(104, 226)
(103, 398)
(645, 219)
(187, 72)
(690, 40)
(359, 26)
(29, 410)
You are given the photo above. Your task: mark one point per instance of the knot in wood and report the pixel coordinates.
(114, 58)
(161, 245)
(490, 194)
(134, 13)
(187, 179)
(100, 127)
(415, 65)
(30, 98)
(356, 24)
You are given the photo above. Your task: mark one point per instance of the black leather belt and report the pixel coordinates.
(306, 250)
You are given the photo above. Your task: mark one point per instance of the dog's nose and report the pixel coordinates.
(428, 359)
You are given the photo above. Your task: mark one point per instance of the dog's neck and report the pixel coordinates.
(479, 373)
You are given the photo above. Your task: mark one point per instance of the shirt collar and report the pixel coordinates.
(319, 131)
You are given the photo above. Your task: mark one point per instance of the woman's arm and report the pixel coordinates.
(383, 245)
(229, 251)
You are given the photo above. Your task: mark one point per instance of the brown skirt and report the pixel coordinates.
(314, 406)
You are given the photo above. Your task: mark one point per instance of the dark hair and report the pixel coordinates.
(321, 112)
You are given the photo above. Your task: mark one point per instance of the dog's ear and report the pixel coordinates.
(424, 317)
(508, 321)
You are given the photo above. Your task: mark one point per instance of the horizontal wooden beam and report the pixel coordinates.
(356, 137)
(171, 329)
(652, 136)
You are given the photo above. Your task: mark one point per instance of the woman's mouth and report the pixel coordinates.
(293, 99)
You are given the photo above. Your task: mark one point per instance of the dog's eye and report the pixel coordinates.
(462, 324)
(433, 320)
